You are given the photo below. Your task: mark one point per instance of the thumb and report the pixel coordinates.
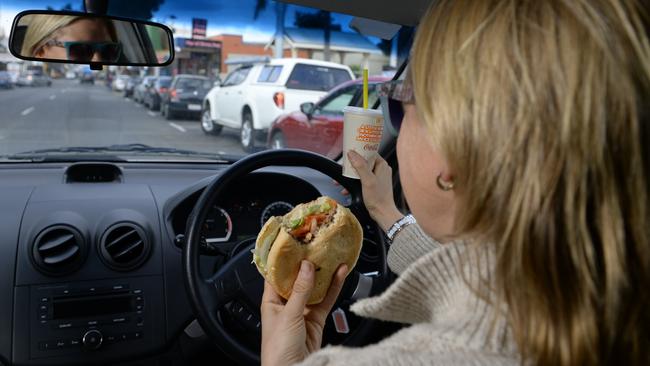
(360, 165)
(301, 290)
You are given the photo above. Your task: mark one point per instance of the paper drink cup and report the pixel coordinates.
(362, 132)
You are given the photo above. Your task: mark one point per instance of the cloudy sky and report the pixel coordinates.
(224, 16)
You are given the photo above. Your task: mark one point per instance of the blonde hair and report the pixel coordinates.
(541, 110)
(40, 27)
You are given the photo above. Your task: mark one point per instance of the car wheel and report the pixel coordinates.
(277, 141)
(246, 134)
(209, 127)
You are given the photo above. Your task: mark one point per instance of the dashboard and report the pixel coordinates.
(90, 262)
(247, 206)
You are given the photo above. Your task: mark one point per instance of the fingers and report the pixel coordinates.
(360, 165)
(301, 290)
(333, 293)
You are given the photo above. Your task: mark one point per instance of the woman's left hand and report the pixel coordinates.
(293, 330)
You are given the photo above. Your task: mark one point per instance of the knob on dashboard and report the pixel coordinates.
(92, 339)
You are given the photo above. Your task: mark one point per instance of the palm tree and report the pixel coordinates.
(280, 10)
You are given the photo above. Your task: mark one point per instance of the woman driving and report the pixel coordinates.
(523, 152)
(72, 38)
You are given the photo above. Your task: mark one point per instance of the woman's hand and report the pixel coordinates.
(293, 330)
(377, 189)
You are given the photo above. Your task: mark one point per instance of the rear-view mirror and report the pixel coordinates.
(81, 38)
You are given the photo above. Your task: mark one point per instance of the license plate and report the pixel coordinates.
(194, 107)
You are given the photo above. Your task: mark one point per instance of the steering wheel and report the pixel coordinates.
(237, 280)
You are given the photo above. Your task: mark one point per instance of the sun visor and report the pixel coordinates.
(374, 28)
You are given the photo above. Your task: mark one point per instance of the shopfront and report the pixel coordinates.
(197, 57)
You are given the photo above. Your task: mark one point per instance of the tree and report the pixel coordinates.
(140, 9)
(280, 10)
(319, 20)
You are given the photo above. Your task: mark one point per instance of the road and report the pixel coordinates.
(69, 114)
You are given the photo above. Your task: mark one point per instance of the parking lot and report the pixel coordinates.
(71, 114)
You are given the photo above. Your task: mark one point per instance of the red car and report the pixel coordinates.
(319, 127)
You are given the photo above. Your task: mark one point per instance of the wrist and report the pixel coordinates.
(387, 218)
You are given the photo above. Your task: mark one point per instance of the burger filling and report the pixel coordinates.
(304, 226)
(261, 254)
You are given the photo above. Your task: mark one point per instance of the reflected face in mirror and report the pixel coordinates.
(82, 39)
(87, 38)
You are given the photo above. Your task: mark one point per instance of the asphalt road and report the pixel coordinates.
(69, 114)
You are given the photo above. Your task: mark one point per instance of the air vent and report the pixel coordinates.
(93, 173)
(124, 246)
(58, 250)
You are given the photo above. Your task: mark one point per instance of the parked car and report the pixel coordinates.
(318, 127)
(70, 75)
(5, 80)
(34, 78)
(254, 95)
(185, 96)
(153, 94)
(130, 85)
(141, 89)
(119, 83)
(87, 77)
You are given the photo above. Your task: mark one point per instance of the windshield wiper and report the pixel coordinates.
(92, 153)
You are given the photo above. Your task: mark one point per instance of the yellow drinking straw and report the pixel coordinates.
(365, 88)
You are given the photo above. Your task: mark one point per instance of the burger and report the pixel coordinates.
(322, 232)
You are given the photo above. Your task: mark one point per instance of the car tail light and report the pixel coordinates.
(173, 95)
(278, 99)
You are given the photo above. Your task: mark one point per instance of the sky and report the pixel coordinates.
(224, 16)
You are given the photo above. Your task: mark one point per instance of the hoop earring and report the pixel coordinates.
(445, 186)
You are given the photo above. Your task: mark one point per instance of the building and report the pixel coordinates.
(351, 49)
(234, 47)
(197, 57)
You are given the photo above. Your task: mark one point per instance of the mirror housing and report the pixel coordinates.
(91, 39)
(307, 108)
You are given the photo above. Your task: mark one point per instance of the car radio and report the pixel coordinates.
(88, 317)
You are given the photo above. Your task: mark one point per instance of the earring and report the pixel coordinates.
(445, 186)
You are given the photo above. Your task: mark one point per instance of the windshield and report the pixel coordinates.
(236, 85)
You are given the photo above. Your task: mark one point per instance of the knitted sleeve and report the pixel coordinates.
(408, 245)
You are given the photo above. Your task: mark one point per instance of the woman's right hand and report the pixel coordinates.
(377, 189)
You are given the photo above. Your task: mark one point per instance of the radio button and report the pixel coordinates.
(43, 308)
(46, 346)
(138, 291)
(45, 299)
(120, 287)
(119, 320)
(75, 342)
(134, 335)
(92, 323)
(61, 343)
(110, 339)
(63, 326)
(92, 339)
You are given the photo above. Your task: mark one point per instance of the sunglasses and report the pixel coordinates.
(85, 51)
(392, 96)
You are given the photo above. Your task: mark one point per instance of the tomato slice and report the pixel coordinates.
(302, 230)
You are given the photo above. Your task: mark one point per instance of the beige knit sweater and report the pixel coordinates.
(449, 324)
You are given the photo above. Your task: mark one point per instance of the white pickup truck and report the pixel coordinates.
(254, 95)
